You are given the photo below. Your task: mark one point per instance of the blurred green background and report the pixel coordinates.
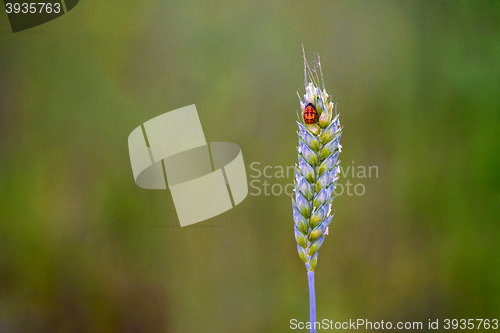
(83, 249)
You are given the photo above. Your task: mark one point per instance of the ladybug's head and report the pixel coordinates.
(311, 104)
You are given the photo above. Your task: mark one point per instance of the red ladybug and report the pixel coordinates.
(309, 114)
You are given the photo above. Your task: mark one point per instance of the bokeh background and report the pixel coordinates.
(83, 249)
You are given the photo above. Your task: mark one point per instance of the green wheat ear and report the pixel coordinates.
(316, 173)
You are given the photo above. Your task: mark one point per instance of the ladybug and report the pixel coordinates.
(309, 114)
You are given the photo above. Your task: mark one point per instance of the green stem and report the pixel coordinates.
(312, 301)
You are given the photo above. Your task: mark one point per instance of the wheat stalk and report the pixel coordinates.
(316, 174)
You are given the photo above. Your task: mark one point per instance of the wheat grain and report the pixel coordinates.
(316, 174)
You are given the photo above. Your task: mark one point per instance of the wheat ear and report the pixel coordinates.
(315, 175)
